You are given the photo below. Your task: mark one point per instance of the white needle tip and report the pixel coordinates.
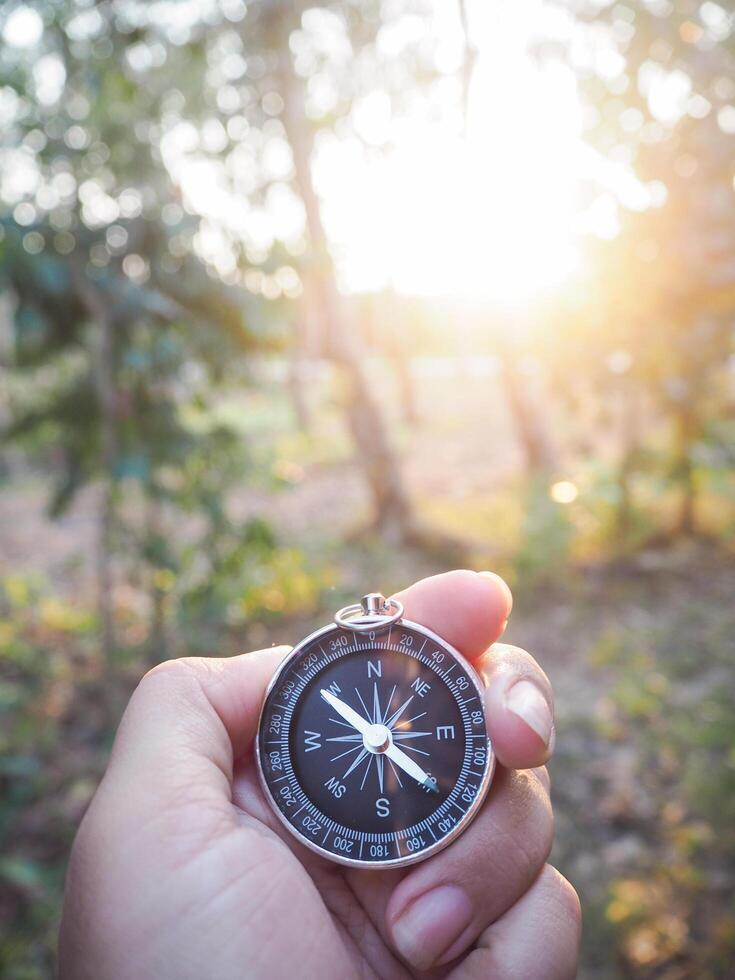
(431, 784)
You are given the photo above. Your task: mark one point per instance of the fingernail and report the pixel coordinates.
(431, 925)
(503, 585)
(526, 700)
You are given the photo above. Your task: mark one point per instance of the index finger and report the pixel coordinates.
(469, 610)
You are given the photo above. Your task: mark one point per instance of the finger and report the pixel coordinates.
(542, 774)
(440, 908)
(467, 609)
(519, 706)
(537, 939)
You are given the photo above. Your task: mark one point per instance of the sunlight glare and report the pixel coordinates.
(489, 217)
(23, 28)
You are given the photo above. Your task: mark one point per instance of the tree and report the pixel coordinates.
(341, 339)
(660, 288)
(113, 306)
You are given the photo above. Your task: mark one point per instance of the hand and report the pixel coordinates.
(180, 870)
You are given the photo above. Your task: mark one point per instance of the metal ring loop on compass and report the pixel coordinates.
(360, 618)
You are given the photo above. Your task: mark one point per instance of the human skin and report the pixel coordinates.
(181, 870)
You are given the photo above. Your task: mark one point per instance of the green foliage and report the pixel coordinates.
(545, 535)
(668, 705)
(125, 346)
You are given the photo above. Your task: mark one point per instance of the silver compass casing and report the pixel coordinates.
(374, 623)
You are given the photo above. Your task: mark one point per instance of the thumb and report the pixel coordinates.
(185, 725)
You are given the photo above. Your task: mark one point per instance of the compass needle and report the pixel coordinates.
(359, 696)
(345, 711)
(342, 723)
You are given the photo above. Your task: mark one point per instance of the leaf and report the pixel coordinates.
(23, 873)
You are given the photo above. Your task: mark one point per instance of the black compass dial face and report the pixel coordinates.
(373, 747)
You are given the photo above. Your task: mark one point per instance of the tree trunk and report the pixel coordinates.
(158, 645)
(536, 442)
(406, 388)
(468, 66)
(392, 509)
(538, 449)
(398, 355)
(296, 364)
(630, 438)
(686, 523)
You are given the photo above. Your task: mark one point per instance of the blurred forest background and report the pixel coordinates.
(299, 301)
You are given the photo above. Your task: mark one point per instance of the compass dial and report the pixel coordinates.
(373, 747)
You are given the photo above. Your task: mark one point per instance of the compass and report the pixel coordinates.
(372, 745)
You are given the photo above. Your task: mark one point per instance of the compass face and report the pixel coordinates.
(373, 747)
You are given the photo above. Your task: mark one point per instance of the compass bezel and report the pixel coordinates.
(471, 811)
